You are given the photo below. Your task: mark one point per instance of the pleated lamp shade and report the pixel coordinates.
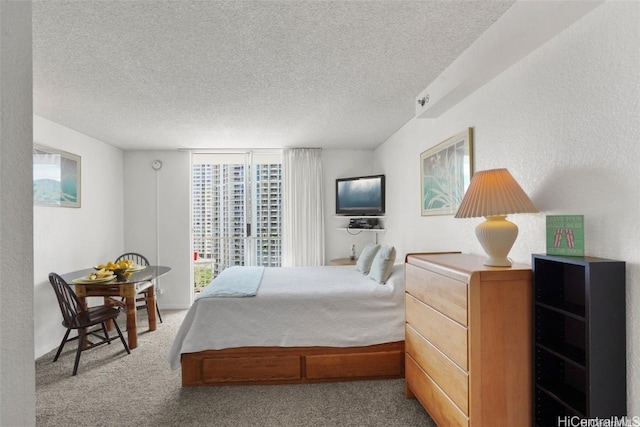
(495, 194)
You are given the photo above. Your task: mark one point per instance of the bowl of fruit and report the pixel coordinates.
(120, 268)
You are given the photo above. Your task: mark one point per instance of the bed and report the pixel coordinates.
(305, 324)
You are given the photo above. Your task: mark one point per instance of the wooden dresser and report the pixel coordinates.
(469, 340)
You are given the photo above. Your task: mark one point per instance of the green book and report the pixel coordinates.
(565, 235)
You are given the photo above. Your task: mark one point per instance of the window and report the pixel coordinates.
(236, 217)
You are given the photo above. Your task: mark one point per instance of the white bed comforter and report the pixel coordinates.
(332, 306)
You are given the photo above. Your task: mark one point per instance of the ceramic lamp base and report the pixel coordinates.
(497, 235)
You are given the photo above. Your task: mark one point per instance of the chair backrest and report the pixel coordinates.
(70, 306)
(135, 257)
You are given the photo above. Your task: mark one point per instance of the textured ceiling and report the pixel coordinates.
(244, 74)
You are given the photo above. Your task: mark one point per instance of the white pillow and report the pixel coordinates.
(382, 265)
(366, 258)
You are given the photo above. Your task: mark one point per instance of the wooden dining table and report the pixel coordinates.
(126, 288)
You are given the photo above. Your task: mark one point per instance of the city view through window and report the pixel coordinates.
(236, 217)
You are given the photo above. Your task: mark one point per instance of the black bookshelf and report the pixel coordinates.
(579, 338)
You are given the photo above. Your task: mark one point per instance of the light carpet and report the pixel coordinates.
(116, 389)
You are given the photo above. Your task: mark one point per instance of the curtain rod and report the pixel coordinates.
(239, 150)
(229, 151)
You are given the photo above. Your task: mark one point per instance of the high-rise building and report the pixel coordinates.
(226, 203)
(268, 225)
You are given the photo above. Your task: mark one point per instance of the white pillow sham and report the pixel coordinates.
(366, 258)
(382, 265)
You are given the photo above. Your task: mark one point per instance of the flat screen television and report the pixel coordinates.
(361, 195)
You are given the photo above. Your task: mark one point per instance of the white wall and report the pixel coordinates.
(69, 239)
(158, 219)
(113, 218)
(565, 122)
(17, 372)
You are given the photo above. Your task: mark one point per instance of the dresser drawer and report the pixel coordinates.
(453, 380)
(446, 295)
(239, 369)
(354, 365)
(435, 401)
(445, 334)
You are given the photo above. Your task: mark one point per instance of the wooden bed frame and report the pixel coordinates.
(292, 365)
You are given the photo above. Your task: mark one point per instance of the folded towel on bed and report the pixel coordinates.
(236, 281)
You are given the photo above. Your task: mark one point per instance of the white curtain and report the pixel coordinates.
(302, 210)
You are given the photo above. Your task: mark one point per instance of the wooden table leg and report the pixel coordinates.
(132, 322)
(109, 302)
(151, 307)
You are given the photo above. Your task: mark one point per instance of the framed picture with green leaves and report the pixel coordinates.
(445, 174)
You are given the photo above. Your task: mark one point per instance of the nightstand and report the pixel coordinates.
(343, 261)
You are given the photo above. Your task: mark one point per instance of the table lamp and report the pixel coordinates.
(494, 194)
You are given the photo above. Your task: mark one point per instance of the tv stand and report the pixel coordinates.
(356, 231)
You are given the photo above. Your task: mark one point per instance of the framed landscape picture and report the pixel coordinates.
(445, 174)
(56, 177)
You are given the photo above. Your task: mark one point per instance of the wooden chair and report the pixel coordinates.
(144, 296)
(76, 316)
